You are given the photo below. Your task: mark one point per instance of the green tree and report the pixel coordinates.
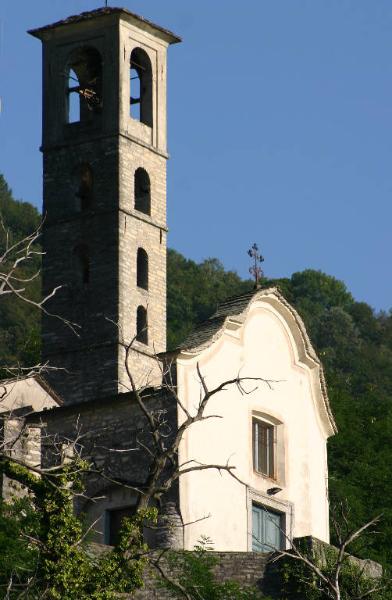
(43, 548)
(20, 322)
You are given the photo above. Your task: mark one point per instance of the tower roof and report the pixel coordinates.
(42, 32)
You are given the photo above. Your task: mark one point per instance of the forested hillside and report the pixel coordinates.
(354, 344)
(19, 322)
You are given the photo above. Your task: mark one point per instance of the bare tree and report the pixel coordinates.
(19, 269)
(14, 258)
(164, 468)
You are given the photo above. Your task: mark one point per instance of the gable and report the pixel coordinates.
(27, 393)
(260, 335)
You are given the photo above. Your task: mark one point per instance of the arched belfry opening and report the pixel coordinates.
(141, 87)
(142, 191)
(84, 85)
(141, 325)
(142, 269)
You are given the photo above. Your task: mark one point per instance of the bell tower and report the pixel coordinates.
(104, 173)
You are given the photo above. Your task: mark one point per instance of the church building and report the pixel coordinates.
(104, 236)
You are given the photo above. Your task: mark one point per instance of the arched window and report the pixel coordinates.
(141, 87)
(142, 191)
(142, 269)
(84, 186)
(82, 264)
(84, 85)
(141, 325)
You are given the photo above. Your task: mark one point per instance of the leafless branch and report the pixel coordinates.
(14, 282)
(332, 580)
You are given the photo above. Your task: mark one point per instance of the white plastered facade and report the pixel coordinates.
(266, 340)
(26, 392)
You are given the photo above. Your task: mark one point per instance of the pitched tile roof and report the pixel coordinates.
(207, 331)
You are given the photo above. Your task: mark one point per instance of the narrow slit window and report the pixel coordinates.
(82, 264)
(142, 269)
(263, 447)
(142, 191)
(84, 185)
(141, 325)
(140, 102)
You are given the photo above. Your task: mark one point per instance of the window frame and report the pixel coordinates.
(285, 507)
(270, 459)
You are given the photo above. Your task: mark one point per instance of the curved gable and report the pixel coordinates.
(231, 319)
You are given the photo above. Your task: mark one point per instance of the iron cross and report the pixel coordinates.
(255, 269)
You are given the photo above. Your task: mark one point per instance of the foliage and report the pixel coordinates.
(20, 323)
(43, 548)
(194, 573)
(18, 522)
(299, 583)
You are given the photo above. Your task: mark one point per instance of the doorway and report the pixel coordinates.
(267, 529)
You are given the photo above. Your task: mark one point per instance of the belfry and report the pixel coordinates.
(104, 163)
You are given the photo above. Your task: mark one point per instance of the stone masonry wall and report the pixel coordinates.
(112, 434)
(88, 358)
(248, 568)
(138, 230)
(21, 443)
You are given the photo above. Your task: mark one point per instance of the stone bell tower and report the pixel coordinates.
(104, 164)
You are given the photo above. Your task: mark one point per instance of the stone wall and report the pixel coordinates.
(20, 442)
(114, 437)
(248, 568)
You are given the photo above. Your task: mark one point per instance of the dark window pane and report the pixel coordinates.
(142, 269)
(115, 518)
(141, 325)
(142, 191)
(263, 447)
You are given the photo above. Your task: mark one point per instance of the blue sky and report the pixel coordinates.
(280, 129)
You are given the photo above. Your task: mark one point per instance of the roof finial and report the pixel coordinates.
(255, 269)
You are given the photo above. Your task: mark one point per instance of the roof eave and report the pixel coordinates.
(43, 33)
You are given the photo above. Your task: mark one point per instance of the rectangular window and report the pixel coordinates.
(263, 447)
(113, 522)
(267, 529)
